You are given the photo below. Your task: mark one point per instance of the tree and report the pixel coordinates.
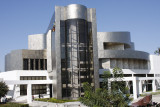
(104, 97)
(157, 51)
(3, 89)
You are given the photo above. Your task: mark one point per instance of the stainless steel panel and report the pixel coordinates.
(76, 11)
(123, 54)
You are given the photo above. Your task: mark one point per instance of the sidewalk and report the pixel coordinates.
(156, 98)
(49, 104)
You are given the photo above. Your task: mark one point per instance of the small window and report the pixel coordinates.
(127, 75)
(25, 64)
(41, 64)
(82, 56)
(31, 64)
(29, 78)
(45, 64)
(150, 75)
(37, 64)
(140, 75)
(23, 89)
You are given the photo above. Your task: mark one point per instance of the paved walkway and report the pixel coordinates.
(48, 104)
(156, 98)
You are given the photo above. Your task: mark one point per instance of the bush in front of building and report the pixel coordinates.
(112, 94)
(3, 89)
(14, 105)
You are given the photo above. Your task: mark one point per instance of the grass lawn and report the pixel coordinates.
(8, 104)
(53, 100)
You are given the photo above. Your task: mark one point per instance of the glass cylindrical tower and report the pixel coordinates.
(76, 51)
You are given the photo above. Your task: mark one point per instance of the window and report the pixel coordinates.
(41, 64)
(45, 64)
(37, 64)
(32, 77)
(31, 64)
(75, 50)
(82, 56)
(63, 52)
(140, 75)
(127, 75)
(25, 64)
(63, 64)
(150, 75)
(66, 92)
(83, 65)
(23, 89)
(39, 89)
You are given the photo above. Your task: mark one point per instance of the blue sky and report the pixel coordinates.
(20, 18)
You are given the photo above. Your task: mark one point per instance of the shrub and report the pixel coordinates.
(53, 100)
(3, 89)
(14, 105)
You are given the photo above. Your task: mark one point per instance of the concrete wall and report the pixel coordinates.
(34, 54)
(124, 63)
(105, 63)
(14, 60)
(113, 37)
(92, 18)
(155, 63)
(117, 47)
(132, 54)
(37, 42)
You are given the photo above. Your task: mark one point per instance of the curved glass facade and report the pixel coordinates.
(76, 56)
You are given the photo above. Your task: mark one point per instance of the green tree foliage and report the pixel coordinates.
(104, 97)
(157, 51)
(3, 89)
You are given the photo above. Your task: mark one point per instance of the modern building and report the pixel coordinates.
(71, 52)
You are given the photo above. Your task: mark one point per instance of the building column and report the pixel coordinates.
(140, 86)
(29, 93)
(109, 84)
(48, 89)
(128, 86)
(16, 91)
(134, 88)
(153, 85)
(144, 86)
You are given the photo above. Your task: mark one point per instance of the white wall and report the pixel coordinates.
(128, 71)
(155, 63)
(14, 90)
(10, 75)
(15, 75)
